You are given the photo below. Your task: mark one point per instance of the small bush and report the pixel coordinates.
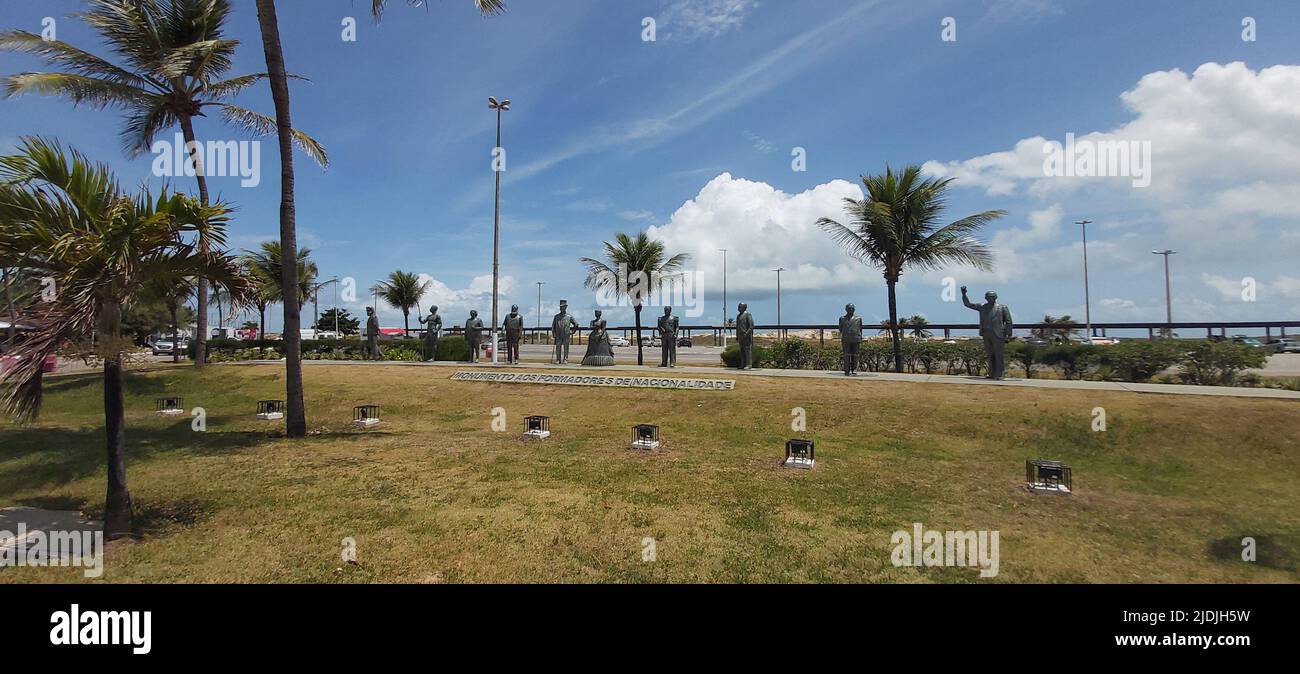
(762, 356)
(1071, 360)
(401, 354)
(1208, 363)
(453, 348)
(1139, 361)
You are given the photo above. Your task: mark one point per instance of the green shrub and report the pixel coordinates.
(1139, 360)
(1071, 360)
(401, 354)
(1025, 355)
(876, 355)
(453, 348)
(762, 356)
(1208, 363)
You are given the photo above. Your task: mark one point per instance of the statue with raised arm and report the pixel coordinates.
(668, 324)
(562, 328)
(431, 333)
(372, 334)
(474, 335)
(514, 329)
(850, 339)
(599, 350)
(745, 336)
(995, 328)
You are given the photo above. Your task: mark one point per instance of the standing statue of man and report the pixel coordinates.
(372, 334)
(995, 328)
(431, 333)
(850, 339)
(745, 336)
(474, 335)
(514, 329)
(668, 324)
(562, 328)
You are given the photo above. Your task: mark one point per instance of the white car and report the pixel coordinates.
(163, 347)
(618, 340)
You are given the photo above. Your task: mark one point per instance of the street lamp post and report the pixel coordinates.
(724, 297)
(1169, 306)
(499, 106)
(779, 331)
(1087, 300)
(539, 309)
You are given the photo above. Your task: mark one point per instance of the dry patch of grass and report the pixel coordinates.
(434, 495)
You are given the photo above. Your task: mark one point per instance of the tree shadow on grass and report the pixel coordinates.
(57, 456)
(158, 519)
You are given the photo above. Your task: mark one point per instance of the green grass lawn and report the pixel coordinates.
(1165, 494)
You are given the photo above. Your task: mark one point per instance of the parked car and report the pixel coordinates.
(1248, 341)
(1287, 345)
(1032, 341)
(685, 341)
(649, 340)
(163, 347)
(619, 340)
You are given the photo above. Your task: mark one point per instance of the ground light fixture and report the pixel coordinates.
(170, 406)
(645, 436)
(1049, 477)
(270, 410)
(365, 416)
(537, 427)
(799, 454)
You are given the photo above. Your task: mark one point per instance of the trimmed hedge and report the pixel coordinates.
(1202, 362)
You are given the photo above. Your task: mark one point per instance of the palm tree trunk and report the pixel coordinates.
(406, 324)
(176, 336)
(201, 339)
(117, 503)
(893, 325)
(261, 329)
(639, 359)
(13, 314)
(295, 409)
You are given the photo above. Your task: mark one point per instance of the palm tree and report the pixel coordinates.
(403, 290)
(172, 292)
(485, 7)
(269, 25)
(266, 267)
(69, 220)
(917, 323)
(176, 65)
(634, 268)
(1055, 330)
(898, 226)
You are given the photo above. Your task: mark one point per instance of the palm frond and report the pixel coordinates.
(258, 124)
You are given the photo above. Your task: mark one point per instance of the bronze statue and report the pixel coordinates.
(850, 339)
(474, 335)
(599, 351)
(745, 336)
(372, 334)
(514, 329)
(668, 324)
(431, 333)
(562, 328)
(995, 328)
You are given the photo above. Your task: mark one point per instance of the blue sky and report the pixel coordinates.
(691, 135)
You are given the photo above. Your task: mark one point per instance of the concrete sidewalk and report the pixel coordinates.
(723, 372)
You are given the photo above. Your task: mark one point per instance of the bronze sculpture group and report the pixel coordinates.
(995, 328)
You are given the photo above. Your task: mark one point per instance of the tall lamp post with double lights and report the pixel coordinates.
(1087, 301)
(1169, 305)
(499, 106)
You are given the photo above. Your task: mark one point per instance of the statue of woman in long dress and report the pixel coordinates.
(599, 351)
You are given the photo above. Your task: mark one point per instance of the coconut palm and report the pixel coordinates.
(1056, 329)
(70, 222)
(402, 290)
(917, 324)
(269, 24)
(172, 293)
(898, 226)
(485, 7)
(266, 267)
(633, 267)
(175, 62)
